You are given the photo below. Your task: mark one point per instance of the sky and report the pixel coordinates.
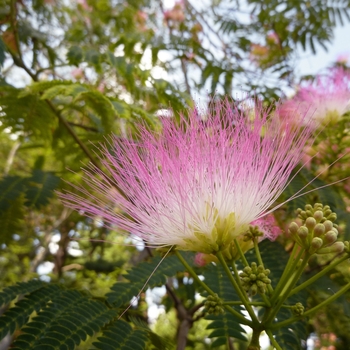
(312, 64)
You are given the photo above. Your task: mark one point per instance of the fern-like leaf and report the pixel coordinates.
(121, 336)
(225, 325)
(123, 292)
(41, 187)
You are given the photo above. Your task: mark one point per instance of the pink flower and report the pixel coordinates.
(202, 259)
(273, 38)
(198, 183)
(268, 226)
(325, 100)
(343, 58)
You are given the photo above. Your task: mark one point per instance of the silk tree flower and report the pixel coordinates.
(324, 100)
(197, 184)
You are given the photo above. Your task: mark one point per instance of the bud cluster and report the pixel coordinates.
(254, 279)
(298, 309)
(252, 232)
(214, 305)
(318, 233)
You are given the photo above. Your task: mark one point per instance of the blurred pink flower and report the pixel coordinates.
(272, 38)
(268, 226)
(177, 13)
(202, 259)
(259, 53)
(77, 73)
(324, 100)
(199, 183)
(84, 5)
(343, 59)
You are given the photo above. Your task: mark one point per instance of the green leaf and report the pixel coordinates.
(120, 336)
(26, 114)
(75, 55)
(92, 56)
(41, 188)
(11, 187)
(123, 292)
(225, 325)
(18, 315)
(10, 293)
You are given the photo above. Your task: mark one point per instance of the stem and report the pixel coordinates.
(318, 275)
(237, 286)
(258, 256)
(255, 341)
(253, 303)
(209, 291)
(244, 260)
(314, 309)
(273, 340)
(291, 265)
(72, 133)
(285, 292)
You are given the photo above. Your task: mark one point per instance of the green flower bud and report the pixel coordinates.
(327, 211)
(247, 270)
(254, 289)
(293, 227)
(254, 279)
(319, 230)
(332, 217)
(328, 225)
(309, 213)
(303, 232)
(330, 237)
(315, 245)
(214, 305)
(298, 309)
(310, 223)
(337, 247)
(318, 215)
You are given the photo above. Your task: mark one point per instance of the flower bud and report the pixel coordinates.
(328, 225)
(310, 223)
(318, 215)
(319, 230)
(298, 309)
(332, 217)
(330, 237)
(253, 277)
(337, 247)
(316, 244)
(327, 211)
(303, 232)
(293, 228)
(254, 289)
(309, 213)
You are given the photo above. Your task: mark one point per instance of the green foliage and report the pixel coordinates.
(51, 317)
(137, 277)
(120, 336)
(17, 192)
(275, 259)
(26, 115)
(225, 325)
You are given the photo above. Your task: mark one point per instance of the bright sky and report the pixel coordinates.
(311, 64)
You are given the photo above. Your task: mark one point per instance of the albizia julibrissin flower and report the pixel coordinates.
(198, 183)
(325, 100)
